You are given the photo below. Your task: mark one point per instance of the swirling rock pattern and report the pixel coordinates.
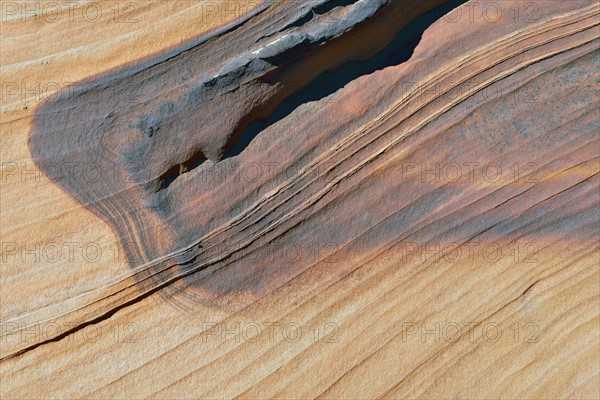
(345, 199)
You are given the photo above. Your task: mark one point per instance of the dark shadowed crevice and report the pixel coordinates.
(319, 10)
(399, 50)
(166, 179)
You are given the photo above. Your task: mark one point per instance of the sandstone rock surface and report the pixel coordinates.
(336, 199)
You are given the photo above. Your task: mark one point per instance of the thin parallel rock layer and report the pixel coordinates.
(465, 140)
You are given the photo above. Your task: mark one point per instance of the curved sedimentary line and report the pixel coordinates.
(214, 260)
(344, 143)
(373, 156)
(362, 131)
(514, 196)
(309, 202)
(461, 63)
(467, 61)
(225, 226)
(217, 259)
(273, 194)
